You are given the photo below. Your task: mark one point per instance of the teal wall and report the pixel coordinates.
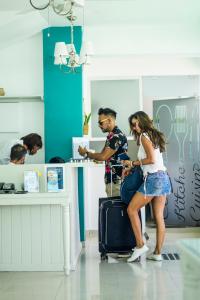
(62, 103)
(62, 96)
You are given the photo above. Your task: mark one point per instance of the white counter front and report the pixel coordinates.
(39, 231)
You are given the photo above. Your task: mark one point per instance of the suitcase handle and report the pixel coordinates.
(111, 182)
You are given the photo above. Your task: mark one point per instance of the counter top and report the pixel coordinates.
(36, 195)
(85, 164)
(34, 198)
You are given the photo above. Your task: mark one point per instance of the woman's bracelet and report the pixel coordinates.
(133, 163)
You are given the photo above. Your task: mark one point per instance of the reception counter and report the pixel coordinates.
(39, 231)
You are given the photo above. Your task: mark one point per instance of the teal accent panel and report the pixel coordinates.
(62, 104)
(62, 97)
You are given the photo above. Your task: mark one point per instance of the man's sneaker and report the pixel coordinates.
(137, 253)
(155, 257)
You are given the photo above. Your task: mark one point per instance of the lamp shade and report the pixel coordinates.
(87, 48)
(61, 60)
(86, 51)
(57, 61)
(60, 50)
(88, 60)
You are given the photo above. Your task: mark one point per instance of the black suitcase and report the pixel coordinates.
(115, 231)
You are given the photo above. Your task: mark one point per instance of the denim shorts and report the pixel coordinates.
(156, 184)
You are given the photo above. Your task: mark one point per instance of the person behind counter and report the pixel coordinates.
(57, 160)
(31, 142)
(116, 143)
(17, 154)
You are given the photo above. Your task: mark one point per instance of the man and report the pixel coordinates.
(31, 142)
(17, 154)
(116, 143)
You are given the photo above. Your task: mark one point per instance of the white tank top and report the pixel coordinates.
(151, 168)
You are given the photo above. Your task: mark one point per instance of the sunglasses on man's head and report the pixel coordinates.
(102, 121)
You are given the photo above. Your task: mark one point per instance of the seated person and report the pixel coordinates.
(32, 143)
(17, 154)
(56, 160)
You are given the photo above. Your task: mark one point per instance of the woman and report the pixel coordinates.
(156, 182)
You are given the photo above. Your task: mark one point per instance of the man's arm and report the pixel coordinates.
(105, 154)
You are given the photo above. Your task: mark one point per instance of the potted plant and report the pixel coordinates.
(86, 123)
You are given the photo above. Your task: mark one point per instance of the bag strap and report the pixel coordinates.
(140, 144)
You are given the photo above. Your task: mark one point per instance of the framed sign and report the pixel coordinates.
(55, 179)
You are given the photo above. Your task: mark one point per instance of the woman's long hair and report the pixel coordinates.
(146, 125)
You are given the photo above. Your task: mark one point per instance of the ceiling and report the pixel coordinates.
(110, 12)
(108, 19)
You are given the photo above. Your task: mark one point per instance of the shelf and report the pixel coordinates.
(21, 98)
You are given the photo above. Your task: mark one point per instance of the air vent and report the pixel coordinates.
(171, 256)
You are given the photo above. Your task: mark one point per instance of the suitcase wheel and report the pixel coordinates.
(104, 256)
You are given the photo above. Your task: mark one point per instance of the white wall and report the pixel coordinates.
(167, 87)
(139, 39)
(120, 95)
(21, 74)
(21, 67)
(142, 65)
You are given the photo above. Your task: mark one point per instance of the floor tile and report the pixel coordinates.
(103, 280)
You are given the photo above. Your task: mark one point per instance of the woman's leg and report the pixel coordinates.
(138, 201)
(158, 204)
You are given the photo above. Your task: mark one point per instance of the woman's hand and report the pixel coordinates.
(127, 167)
(127, 163)
(125, 172)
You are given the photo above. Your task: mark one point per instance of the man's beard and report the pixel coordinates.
(104, 130)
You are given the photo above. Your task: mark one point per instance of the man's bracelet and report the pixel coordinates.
(86, 154)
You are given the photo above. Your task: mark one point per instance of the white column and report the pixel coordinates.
(66, 238)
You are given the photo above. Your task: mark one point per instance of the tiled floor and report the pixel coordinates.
(94, 280)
